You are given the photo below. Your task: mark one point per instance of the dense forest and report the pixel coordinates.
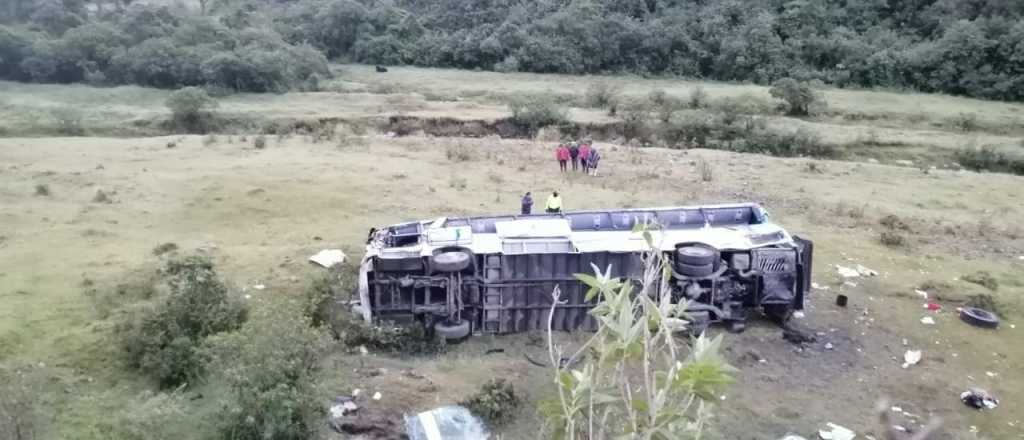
(964, 47)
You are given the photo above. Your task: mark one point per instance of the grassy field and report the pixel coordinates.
(886, 126)
(261, 213)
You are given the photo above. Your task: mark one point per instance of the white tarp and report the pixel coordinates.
(328, 258)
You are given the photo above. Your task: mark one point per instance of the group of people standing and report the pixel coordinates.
(583, 156)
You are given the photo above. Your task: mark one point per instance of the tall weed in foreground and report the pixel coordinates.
(637, 381)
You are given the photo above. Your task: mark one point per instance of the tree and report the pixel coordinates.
(189, 105)
(799, 97)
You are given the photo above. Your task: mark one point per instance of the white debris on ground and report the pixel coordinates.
(377, 395)
(928, 320)
(854, 272)
(259, 286)
(922, 293)
(836, 432)
(911, 357)
(328, 258)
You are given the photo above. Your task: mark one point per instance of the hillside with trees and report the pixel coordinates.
(964, 47)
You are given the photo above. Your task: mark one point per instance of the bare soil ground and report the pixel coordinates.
(261, 213)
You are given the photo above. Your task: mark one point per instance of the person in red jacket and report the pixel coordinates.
(562, 154)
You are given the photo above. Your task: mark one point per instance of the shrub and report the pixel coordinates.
(458, 183)
(270, 366)
(496, 402)
(698, 98)
(988, 158)
(318, 300)
(982, 278)
(163, 340)
(894, 223)
(892, 239)
(386, 337)
(42, 189)
(706, 172)
(602, 94)
(164, 248)
(801, 142)
(965, 122)
(535, 112)
(209, 140)
(459, 152)
(189, 106)
(259, 142)
(798, 96)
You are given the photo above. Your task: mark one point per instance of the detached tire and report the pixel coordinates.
(452, 261)
(979, 318)
(695, 271)
(451, 331)
(696, 256)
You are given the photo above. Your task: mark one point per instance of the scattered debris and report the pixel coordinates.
(799, 314)
(933, 307)
(911, 357)
(817, 286)
(328, 258)
(377, 395)
(836, 432)
(854, 272)
(979, 398)
(928, 320)
(259, 286)
(494, 350)
(343, 405)
(978, 317)
(922, 293)
(455, 422)
(829, 346)
(792, 437)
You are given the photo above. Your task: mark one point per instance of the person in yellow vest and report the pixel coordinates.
(554, 203)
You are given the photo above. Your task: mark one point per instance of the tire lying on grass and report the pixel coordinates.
(447, 330)
(451, 261)
(979, 318)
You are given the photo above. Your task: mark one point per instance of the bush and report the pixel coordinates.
(706, 172)
(965, 122)
(982, 278)
(799, 97)
(698, 98)
(259, 142)
(988, 159)
(163, 340)
(42, 190)
(894, 223)
(270, 365)
(459, 152)
(318, 301)
(164, 248)
(801, 142)
(496, 402)
(190, 107)
(602, 94)
(535, 112)
(892, 239)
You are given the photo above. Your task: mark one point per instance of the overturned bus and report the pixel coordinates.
(496, 274)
